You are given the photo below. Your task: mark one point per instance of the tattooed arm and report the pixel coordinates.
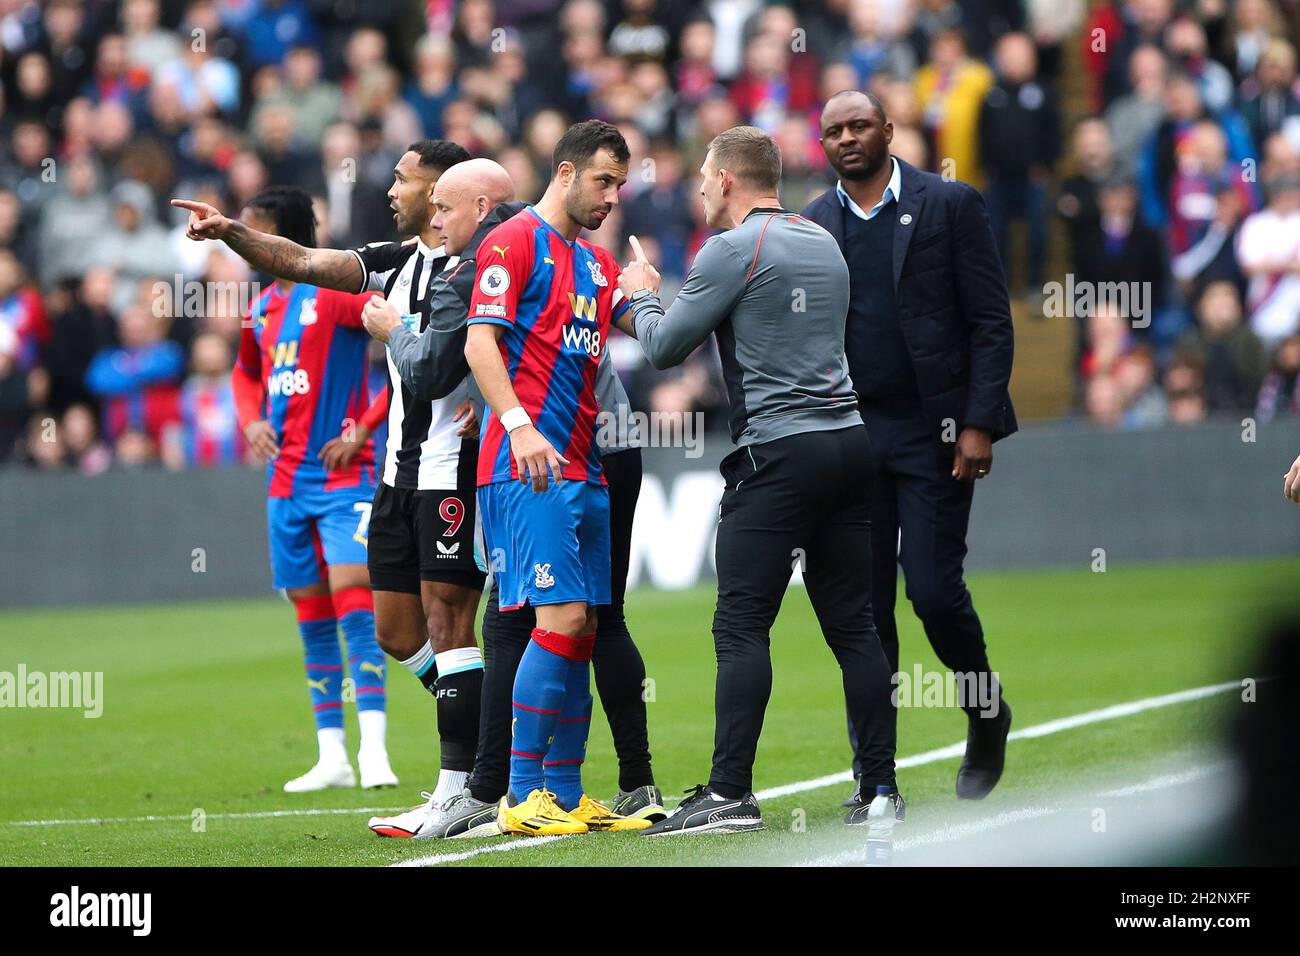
(328, 268)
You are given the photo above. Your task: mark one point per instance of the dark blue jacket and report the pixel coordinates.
(951, 298)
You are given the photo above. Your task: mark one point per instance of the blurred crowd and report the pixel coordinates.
(1154, 142)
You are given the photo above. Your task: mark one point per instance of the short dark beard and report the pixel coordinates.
(586, 218)
(866, 171)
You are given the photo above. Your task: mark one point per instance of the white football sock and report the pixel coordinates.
(332, 744)
(450, 783)
(374, 724)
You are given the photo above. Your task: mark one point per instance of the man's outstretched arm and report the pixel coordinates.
(715, 283)
(283, 258)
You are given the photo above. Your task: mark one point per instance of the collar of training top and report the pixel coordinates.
(771, 209)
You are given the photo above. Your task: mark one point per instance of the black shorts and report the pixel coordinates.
(423, 536)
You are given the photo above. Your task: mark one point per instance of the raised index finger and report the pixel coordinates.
(191, 204)
(637, 251)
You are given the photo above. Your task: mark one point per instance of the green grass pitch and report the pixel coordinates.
(205, 716)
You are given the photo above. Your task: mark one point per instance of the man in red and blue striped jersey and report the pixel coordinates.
(541, 311)
(300, 389)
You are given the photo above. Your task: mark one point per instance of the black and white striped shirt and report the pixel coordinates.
(424, 449)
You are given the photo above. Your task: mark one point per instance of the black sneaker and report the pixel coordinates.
(703, 811)
(986, 754)
(852, 799)
(643, 803)
(857, 816)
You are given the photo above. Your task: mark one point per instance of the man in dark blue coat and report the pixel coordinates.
(929, 343)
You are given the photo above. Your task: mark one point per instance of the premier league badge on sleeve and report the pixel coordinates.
(494, 281)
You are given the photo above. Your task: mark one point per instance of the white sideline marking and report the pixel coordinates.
(522, 843)
(1113, 712)
(250, 815)
(960, 831)
(956, 831)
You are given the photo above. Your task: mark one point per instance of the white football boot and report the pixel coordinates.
(415, 823)
(375, 770)
(324, 776)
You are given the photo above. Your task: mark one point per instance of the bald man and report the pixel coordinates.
(467, 202)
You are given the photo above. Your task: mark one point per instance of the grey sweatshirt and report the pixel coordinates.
(775, 291)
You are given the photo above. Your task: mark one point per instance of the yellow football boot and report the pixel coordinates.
(539, 815)
(597, 816)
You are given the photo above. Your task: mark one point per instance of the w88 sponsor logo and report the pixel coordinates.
(582, 340)
(295, 382)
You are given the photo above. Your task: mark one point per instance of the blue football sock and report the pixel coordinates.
(569, 748)
(365, 658)
(323, 659)
(537, 698)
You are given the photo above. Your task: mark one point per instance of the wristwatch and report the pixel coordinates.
(640, 294)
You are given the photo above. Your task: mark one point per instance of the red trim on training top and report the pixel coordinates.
(788, 218)
(763, 232)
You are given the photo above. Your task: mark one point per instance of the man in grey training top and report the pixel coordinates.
(774, 289)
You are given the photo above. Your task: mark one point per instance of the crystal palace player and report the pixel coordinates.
(541, 310)
(299, 382)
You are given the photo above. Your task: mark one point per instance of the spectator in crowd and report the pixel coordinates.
(24, 331)
(43, 444)
(1273, 105)
(138, 382)
(1184, 387)
(1019, 143)
(205, 82)
(1187, 47)
(1108, 338)
(312, 102)
(1092, 160)
(81, 330)
(1254, 25)
(78, 209)
(1162, 156)
(135, 246)
(207, 434)
(1231, 356)
(1143, 402)
(1268, 248)
(767, 88)
(434, 84)
(694, 75)
(85, 451)
(1208, 197)
(872, 48)
(1136, 115)
(69, 442)
(1278, 396)
(1115, 245)
(950, 88)
(1124, 26)
(148, 43)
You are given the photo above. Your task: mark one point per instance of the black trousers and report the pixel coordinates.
(805, 497)
(619, 669)
(916, 494)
